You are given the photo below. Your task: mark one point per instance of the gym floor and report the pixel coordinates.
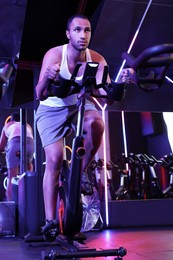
(154, 243)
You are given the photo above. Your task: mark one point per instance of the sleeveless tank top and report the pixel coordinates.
(64, 71)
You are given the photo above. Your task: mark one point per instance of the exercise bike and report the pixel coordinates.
(150, 67)
(70, 210)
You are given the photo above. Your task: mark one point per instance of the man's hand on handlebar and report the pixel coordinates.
(108, 90)
(126, 76)
(116, 91)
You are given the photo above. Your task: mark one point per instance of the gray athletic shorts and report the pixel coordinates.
(53, 123)
(13, 148)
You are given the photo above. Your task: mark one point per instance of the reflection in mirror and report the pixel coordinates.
(11, 27)
(7, 75)
(144, 169)
(12, 146)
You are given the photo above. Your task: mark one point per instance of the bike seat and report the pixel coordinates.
(151, 66)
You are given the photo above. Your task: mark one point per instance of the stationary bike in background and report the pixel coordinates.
(70, 210)
(166, 162)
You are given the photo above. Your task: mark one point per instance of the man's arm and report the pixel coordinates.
(113, 90)
(3, 141)
(50, 68)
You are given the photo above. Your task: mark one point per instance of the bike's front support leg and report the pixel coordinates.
(120, 252)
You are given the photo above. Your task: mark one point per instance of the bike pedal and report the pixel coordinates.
(50, 230)
(86, 185)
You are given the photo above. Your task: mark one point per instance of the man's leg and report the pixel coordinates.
(94, 128)
(12, 172)
(30, 167)
(54, 158)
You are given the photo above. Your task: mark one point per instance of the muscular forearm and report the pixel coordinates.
(41, 88)
(47, 76)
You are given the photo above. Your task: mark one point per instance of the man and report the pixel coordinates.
(55, 115)
(10, 143)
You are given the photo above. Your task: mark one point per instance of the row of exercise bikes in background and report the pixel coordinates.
(131, 177)
(140, 176)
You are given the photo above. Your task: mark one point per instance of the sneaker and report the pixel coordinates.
(86, 186)
(50, 230)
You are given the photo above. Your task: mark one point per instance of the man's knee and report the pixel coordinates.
(94, 122)
(97, 125)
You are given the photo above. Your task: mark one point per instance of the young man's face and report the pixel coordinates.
(79, 33)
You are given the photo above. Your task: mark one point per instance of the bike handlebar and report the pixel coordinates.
(66, 87)
(151, 66)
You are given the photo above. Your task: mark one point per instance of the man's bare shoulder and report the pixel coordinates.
(96, 57)
(57, 49)
(54, 52)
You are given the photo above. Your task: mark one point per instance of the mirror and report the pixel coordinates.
(144, 159)
(11, 28)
